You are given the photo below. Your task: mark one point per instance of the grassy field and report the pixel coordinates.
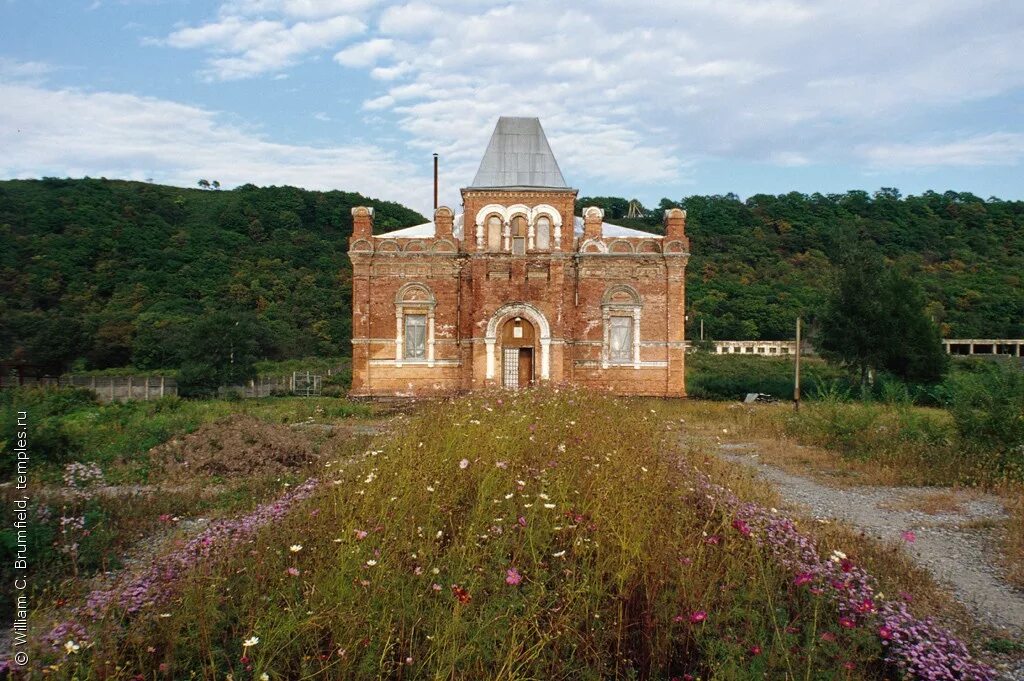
(547, 534)
(107, 478)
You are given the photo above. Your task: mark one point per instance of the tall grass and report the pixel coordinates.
(543, 535)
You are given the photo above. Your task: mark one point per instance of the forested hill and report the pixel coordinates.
(99, 273)
(104, 273)
(756, 263)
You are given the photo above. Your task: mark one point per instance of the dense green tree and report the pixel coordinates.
(222, 348)
(99, 273)
(875, 319)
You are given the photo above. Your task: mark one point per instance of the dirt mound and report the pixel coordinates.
(233, 447)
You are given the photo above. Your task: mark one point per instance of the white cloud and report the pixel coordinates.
(247, 47)
(302, 9)
(995, 149)
(64, 132)
(365, 54)
(415, 18)
(33, 71)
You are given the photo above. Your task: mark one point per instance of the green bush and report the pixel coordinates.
(731, 377)
(988, 410)
(48, 439)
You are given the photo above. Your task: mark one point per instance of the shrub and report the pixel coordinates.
(988, 410)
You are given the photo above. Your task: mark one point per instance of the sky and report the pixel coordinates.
(648, 99)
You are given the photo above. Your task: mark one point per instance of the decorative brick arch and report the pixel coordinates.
(536, 317)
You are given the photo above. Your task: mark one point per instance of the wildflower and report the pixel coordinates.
(698, 616)
(909, 536)
(371, 563)
(361, 534)
(264, 677)
(464, 464)
(435, 571)
(803, 578)
(828, 636)
(250, 642)
(461, 594)
(549, 505)
(435, 586)
(755, 649)
(712, 540)
(512, 577)
(559, 554)
(294, 571)
(866, 605)
(165, 615)
(741, 527)
(885, 633)
(847, 623)
(71, 647)
(295, 548)
(837, 556)
(430, 488)
(501, 464)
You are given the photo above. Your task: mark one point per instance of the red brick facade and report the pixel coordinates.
(479, 300)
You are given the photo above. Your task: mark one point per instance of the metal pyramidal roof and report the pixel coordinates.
(518, 155)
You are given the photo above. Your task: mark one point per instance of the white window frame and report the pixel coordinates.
(407, 318)
(405, 306)
(630, 310)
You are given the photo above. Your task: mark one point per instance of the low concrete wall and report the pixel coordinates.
(122, 388)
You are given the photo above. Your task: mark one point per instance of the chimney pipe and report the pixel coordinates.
(435, 181)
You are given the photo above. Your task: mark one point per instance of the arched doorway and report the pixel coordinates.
(541, 344)
(518, 353)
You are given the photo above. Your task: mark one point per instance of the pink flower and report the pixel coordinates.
(847, 623)
(885, 633)
(741, 527)
(293, 571)
(713, 540)
(522, 521)
(755, 650)
(909, 536)
(464, 463)
(698, 616)
(361, 534)
(866, 605)
(512, 577)
(803, 578)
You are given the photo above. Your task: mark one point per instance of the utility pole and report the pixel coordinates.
(796, 377)
(702, 328)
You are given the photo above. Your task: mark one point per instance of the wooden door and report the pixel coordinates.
(525, 366)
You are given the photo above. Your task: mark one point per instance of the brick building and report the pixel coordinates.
(516, 290)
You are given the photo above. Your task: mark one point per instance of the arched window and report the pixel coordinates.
(543, 232)
(414, 325)
(621, 313)
(494, 233)
(519, 235)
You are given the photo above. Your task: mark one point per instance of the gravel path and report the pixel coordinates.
(956, 556)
